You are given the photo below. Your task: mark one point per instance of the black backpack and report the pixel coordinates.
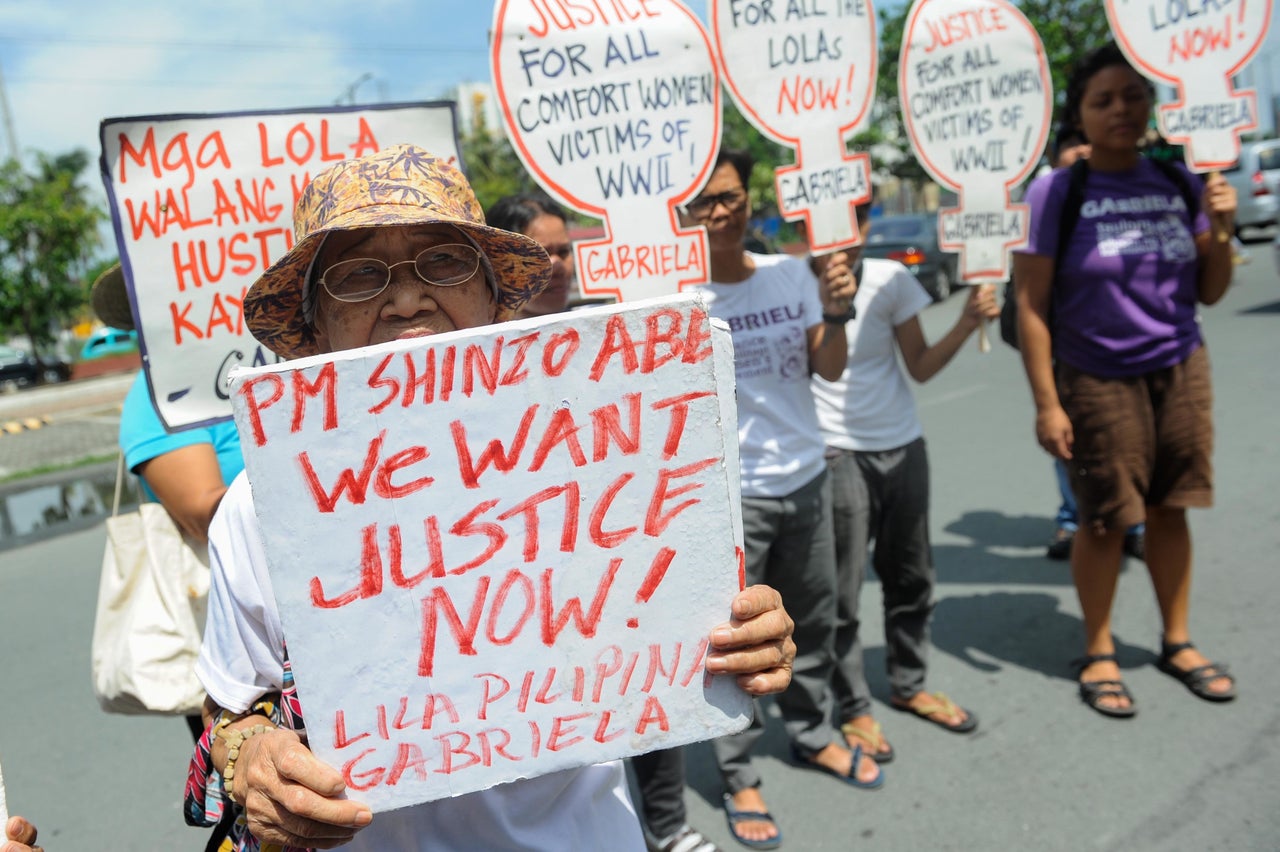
(1071, 205)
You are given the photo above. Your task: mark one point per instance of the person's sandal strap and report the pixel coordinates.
(872, 737)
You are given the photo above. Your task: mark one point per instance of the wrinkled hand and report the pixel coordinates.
(755, 644)
(838, 283)
(981, 305)
(1219, 203)
(1053, 431)
(290, 797)
(21, 836)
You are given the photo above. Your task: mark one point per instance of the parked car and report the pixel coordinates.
(1256, 177)
(912, 240)
(17, 369)
(109, 341)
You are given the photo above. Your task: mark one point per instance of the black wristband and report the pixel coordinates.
(840, 319)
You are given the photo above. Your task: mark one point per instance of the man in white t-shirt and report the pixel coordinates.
(880, 481)
(785, 326)
(392, 246)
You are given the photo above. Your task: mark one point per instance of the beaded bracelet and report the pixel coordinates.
(234, 738)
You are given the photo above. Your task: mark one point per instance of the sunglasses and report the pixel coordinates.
(363, 278)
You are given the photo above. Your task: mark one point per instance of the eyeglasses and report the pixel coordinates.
(701, 207)
(362, 278)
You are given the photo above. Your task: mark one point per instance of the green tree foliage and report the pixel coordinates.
(48, 232)
(493, 168)
(738, 133)
(1068, 28)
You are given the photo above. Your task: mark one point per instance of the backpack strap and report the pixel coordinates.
(1178, 178)
(1071, 204)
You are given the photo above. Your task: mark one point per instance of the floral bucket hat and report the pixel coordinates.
(401, 185)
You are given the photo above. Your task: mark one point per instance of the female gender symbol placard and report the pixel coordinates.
(804, 72)
(615, 110)
(1197, 47)
(977, 100)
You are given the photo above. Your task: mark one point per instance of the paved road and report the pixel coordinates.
(1042, 773)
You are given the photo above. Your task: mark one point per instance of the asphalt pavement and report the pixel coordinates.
(1042, 772)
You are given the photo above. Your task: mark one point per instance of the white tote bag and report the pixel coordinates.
(152, 597)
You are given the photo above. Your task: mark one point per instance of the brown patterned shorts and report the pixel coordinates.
(1139, 441)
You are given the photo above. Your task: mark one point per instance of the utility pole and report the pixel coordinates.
(11, 135)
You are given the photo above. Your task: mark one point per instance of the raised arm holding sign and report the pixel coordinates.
(615, 110)
(804, 74)
(977, 100)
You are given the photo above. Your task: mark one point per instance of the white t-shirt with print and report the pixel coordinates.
(870, 407)
(243, 658)
(769, 315)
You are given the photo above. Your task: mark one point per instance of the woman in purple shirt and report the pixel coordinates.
(1117, 367)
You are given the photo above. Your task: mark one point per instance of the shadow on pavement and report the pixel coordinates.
(1024, 629)
(1266, 308)
(996, 529)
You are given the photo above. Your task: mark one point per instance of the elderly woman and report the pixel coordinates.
(412, 219)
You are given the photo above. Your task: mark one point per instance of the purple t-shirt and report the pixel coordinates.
(1124, 296)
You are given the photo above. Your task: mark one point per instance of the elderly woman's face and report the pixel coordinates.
(408, 307)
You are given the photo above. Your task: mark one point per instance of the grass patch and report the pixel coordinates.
(56, 468)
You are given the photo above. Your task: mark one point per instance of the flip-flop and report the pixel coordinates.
(940, 704)
(872, 738)
(851, 777)
(736, 816)
(1196, 679)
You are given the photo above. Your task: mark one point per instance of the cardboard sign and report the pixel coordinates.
(804, 73)
(1196, 47)
(203, 204)
(614, 108)
(977, 99)
(499, 553)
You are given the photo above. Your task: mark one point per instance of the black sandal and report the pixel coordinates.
(1092, 692)
(1198, 679)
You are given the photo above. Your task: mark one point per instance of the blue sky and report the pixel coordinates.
(69, 63)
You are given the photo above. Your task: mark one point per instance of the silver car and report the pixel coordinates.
(1256, 177)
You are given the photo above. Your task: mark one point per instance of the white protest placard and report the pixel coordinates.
(1196, 46)
(804, 73)
(977, 100)
(499, 553)
(614, 108)
(4, 807)
(203, 204)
